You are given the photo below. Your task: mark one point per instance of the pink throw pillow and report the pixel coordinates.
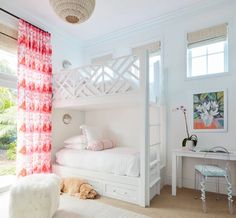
(99, 145)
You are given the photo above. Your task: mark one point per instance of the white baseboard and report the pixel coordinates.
(211, 184)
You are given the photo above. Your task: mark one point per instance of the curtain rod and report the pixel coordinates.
(13, 15)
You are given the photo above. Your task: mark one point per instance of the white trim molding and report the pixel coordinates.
(150, 23)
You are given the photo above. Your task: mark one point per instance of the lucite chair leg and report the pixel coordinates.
(230, 197)
(217, 188)
(231, 207)
(203, 194)
(195, 184)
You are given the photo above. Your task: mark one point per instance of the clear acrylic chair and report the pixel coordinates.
(203, 172)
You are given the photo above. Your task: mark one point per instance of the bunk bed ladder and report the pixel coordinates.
(154, 164)
(151, 162)
(154, 130)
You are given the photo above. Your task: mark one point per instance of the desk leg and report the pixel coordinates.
(174, 160)
(180, 172)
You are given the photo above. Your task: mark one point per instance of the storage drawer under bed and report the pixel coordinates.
(121, 192)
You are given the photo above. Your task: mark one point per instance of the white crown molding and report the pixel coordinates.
(39, 22)
(148, 24)
(120, 33)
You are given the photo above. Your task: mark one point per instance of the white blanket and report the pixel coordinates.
(124, 161)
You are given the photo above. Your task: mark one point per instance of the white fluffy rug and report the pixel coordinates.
(71, 207)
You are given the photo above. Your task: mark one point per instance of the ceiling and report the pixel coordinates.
(108, 16)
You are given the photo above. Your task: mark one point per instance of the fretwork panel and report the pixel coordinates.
(118, 76)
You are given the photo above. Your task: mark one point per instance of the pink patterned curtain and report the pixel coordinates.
(34, 100)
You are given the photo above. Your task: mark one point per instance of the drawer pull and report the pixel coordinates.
(124, 193)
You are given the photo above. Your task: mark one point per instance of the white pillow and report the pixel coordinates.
(78, 139)
(76, 146)
(91, 133)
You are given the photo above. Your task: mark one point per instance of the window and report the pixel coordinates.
(8, 103)
(154, 77)
(8, 62)
(207, 52)
(8, 111)
(207, 59)
(8, 50)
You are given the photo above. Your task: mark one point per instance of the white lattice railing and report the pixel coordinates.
(117, 76)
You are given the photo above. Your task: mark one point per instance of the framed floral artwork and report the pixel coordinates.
(210, 111)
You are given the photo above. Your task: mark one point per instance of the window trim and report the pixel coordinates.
(8, 81)
(207, 75)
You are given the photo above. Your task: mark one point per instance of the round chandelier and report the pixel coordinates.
(73, 11)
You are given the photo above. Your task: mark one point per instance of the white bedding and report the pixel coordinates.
(124, 161)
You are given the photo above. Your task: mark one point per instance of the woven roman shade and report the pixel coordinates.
(102, 59)
(150, 47)
(217, 33)
(7, 43)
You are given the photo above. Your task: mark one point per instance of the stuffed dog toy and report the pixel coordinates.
(78, 187)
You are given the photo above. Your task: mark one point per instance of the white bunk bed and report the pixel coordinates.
(117, 83)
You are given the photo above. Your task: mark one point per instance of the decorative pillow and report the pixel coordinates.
(76, 146)
(78, 139)
(91, 133)
(99, 145)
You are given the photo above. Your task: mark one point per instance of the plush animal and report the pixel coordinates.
(78, 187)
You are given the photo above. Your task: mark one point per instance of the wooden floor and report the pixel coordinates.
(184, 205)
(164, 206)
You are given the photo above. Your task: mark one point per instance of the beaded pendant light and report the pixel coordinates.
(73, 11)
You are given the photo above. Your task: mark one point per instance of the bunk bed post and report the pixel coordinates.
(164, 74)
(144, 150)
(147, 132)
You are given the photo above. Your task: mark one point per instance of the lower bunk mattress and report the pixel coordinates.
(123, 161)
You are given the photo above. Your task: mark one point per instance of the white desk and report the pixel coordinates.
(177, 155)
